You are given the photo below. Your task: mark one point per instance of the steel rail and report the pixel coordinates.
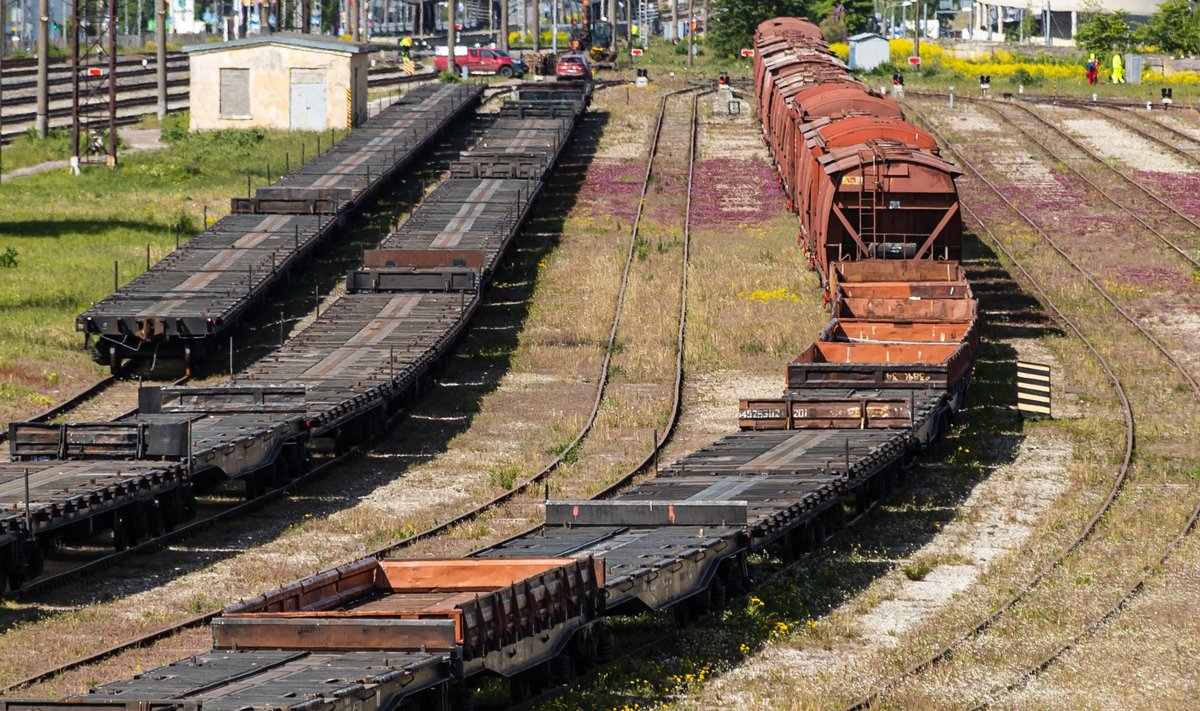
(1115, 115)
(1092, 184)
(676, 406)
(602, 384)
(945, 652)
(19, 113)
(1094, 626)
(195, 526)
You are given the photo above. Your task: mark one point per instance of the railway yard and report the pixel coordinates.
(620, 398)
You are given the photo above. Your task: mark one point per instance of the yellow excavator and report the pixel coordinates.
(594, 37)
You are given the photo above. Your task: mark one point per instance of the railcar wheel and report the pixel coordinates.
(606, 649)
(120, 532)
(717, 595)
(562, 670)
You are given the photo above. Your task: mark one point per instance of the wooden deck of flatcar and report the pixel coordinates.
(207, 286)
(214, 277)
(66, 492)
(664, 539)
(362, 343)
(475, 214)
(238, 680)
(355, 167)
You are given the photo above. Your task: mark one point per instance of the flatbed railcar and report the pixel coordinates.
(180, 306)
(841, 434)
(338, 382)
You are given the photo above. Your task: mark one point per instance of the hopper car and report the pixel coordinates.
(879, 385)
(865, 183)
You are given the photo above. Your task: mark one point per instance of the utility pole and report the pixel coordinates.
(917, 34)
(306, 16)
(160, 55)
(691, 31)
(451, 62)
(1046, 23)
(675, 20)
(43, 69)
(503, 39)
(535, 24)
(612, 20)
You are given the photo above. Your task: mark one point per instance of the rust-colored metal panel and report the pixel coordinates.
(882, 331)
(905, 290)
(485, 602)
(906, 309)
(897, 270)
(824, 413)
(887, 353)
(384, 258)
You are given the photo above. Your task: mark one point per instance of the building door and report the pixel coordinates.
(308, 107)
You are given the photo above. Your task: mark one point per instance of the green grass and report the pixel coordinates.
(30, 150)
(662, 57)
(67, 232)
(939, 79)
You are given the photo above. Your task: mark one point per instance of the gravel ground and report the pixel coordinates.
(1117, 143)
(522, 382)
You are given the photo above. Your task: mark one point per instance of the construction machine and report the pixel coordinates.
(595, 37)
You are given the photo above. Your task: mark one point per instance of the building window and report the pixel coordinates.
(235, 93)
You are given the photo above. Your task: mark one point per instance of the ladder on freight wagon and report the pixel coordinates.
(868, 212)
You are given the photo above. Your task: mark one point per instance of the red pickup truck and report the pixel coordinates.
(483, 61)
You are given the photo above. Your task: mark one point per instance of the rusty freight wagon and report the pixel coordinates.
(377, 635)
(333, 386)
(874, 390)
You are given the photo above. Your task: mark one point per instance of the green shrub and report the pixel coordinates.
(1024, 77)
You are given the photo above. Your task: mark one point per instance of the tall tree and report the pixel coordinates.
(856, 15)
(1174, 27)
(733, 21)
(1104, 32)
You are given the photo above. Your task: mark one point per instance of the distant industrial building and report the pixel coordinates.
(285, 81)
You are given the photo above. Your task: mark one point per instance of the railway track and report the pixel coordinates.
(1111, 502)
(1161, 134)
(1138, 203)
(523, 488)
(111, 399)
(137, 96)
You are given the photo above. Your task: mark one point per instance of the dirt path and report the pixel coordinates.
(134, 140)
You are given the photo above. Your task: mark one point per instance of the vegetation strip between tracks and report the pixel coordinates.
(676, 405)
(947, 651)
(1100, 191)
(429, 533)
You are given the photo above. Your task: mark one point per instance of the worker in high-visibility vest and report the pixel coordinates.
(1118, 75)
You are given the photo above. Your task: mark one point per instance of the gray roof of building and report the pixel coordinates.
(291, 39)
(855, 38)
